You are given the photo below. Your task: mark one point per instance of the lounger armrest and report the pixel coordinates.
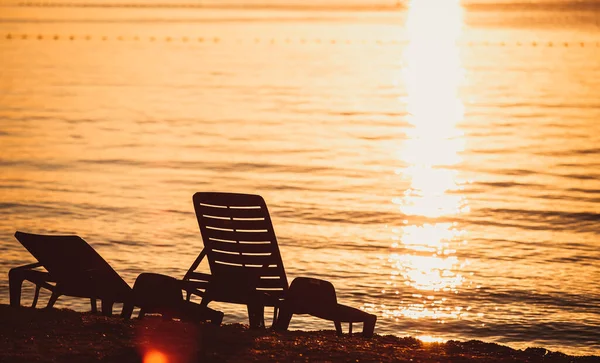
(198, 276)
(195, 264)
(193, 285)
(28, 272)
(195, 282)
(17, 275)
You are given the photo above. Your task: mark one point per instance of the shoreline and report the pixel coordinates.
(62, 335)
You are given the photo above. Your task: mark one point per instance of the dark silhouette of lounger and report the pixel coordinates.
(317, 297)
(156, 293)
(74, 268)
(246, 265)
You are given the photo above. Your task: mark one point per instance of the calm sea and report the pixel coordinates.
(440, 164)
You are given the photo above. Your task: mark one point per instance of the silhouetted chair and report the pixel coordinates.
(242, 252)
(73, 268)
(244, 260)
(160, 294)
(317, 297)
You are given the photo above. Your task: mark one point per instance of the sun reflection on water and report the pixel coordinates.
(426, 271)
(430, 339)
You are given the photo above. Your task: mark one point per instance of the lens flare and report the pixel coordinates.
(155, 356)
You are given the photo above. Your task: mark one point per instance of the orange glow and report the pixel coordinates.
(430, 339)
(155, 356)
(426, 259)
(432, 74)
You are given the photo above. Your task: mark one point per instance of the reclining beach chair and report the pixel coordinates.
(73, 268)
(159, 294)
(245, 262)
(317, 298)
(242, 252)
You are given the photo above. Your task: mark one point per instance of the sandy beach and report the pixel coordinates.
(60, 335)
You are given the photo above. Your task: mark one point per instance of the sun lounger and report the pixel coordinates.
(73, 268)
(245, 262)
(242, 252)
(317, 298)
(160, 294)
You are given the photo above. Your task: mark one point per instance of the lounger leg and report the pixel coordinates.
(107, 307)
(275, 311)
(94, 305)
(350, 328)
(283, 319)
(369, 326)
(142, 313)
(216, 317)
(127, 310)
(338, 327)
(15, 282)
(256, 315)
(53, 298)
(36, 295)
(195, 313)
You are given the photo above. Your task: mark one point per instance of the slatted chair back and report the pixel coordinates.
(241, 247)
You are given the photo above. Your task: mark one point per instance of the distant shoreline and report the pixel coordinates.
(61, 335)
(213, 6)
(547, 5)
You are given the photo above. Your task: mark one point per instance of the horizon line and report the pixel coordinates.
(400, 5)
